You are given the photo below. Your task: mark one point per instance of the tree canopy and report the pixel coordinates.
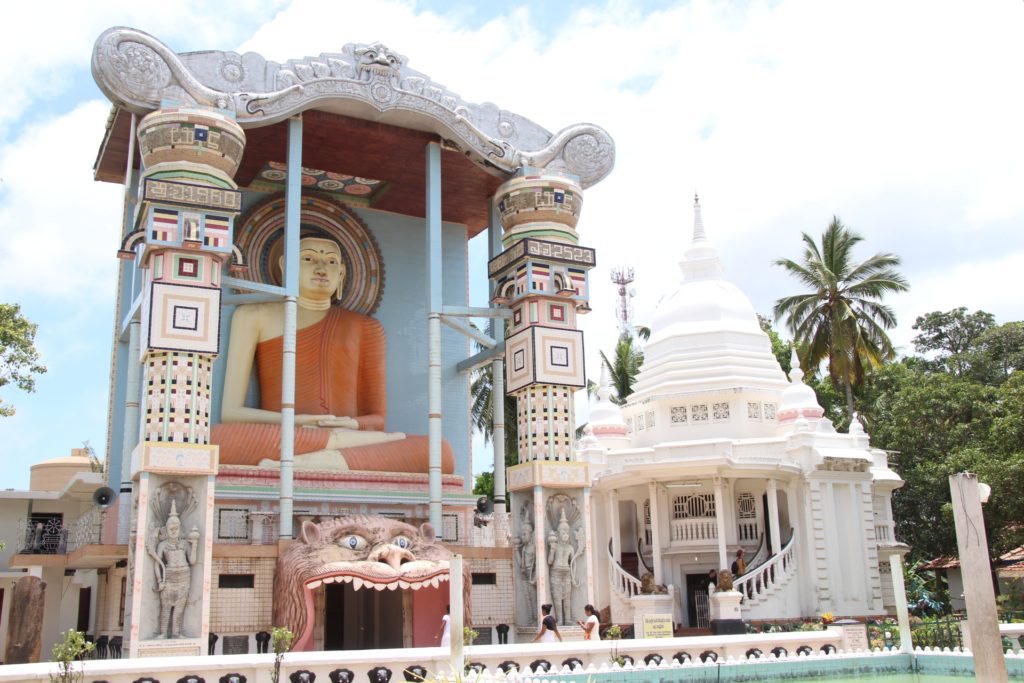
(19, 359)
(958, 408)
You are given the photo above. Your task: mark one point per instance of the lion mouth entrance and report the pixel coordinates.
(380, 576)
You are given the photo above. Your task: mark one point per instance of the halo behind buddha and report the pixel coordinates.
(260, 240)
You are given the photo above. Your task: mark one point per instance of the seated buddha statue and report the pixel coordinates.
(340, 386)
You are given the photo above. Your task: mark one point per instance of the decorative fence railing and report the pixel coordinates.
(86, 530)
(938, 633)
(46, 537)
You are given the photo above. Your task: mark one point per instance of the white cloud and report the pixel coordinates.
(902, 118)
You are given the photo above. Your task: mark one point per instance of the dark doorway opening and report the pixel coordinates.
(697, 614)
(84, 603)
(362, 619)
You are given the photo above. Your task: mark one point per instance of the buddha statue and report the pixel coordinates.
(340, 387)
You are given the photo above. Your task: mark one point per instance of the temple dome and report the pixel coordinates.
(705, 336)
(605, 416)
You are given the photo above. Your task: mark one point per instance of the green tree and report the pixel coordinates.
(19, 360)
(623, 367)
(483, 485)
(481, 412)
(782, 350)
(842, 318)
(951, 337)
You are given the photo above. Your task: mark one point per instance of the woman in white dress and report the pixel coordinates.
(591, 625)
(445, 634)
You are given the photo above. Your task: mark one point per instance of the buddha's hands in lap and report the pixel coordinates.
(350, 438)
(328, 421)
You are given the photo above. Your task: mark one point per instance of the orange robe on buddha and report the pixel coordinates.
(340, 371)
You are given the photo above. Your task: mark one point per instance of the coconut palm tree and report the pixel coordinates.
(623, 367)
(842, 317)
(481, 413)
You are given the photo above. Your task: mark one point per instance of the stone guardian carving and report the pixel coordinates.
(563, 556)
(173, 559)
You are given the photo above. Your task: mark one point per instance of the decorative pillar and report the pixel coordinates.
(613, 525)
(723, 555)
(652, 496)
(542, 277)
(972, 547)
(497, 382)
(435, 304)
(181, 241)
(773, 516)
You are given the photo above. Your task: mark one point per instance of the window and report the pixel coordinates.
(695, 505)
(236, 581)
(485, 579)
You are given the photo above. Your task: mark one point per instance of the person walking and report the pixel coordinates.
(445, 633)
(739, 565)
(590, 626)
(548, 626)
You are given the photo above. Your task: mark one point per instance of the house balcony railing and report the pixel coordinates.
(45, 537)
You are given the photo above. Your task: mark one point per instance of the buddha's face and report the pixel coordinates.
(321, 270)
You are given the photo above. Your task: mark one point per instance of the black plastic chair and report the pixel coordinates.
(681, 657)
(572, 663)
(502, 630)
(115, 647)
(754, 653)
(780, 652)
(653, 658)
(508, 665)
(709, 656)
(262, 642)
(542, 665)
(101, 647)
(342, 676)
(415, 673)
(211, 643)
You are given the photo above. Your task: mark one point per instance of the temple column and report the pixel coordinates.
(773, 516)
(133, 394)
(293, 212)
(496, 326)
(723, 554)
(613, 525)
(181, 241)
(652, 495)
(435, 303)
(542, 277)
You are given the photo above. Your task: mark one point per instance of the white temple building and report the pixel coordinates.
(717, 451)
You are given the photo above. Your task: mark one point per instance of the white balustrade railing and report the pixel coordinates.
(759, 580)
(883, 532)
(694, 530)
(747, 531)
(625, 585)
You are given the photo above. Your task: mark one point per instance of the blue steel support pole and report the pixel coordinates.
(497, 329)
(292, 202)
(436, 301)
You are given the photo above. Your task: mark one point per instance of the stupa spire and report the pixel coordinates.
(698, 222)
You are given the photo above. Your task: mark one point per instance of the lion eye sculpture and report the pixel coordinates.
(370, 552)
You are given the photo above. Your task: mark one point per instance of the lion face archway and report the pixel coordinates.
(368, 552)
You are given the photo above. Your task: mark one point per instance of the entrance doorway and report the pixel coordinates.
(362, 619)
(697, 608)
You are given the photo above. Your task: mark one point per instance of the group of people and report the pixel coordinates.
(549, 632)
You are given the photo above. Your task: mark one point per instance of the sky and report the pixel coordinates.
(905, 119)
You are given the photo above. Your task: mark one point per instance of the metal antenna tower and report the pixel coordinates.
(623, 277)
